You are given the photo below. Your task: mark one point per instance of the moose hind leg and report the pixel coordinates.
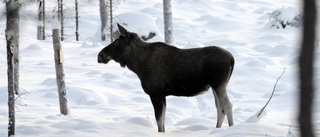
(159, 106)
(223, 104)
(220, 112)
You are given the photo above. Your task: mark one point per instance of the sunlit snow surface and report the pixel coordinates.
(107, 100)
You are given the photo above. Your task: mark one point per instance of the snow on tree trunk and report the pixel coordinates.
(41, 20)
(104, 18)
(58, 57)
(306, 67)
(167, 15)
(12, 37)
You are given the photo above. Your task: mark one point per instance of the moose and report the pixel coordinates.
(166, 70)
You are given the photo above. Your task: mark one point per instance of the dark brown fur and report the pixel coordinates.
(166, 70)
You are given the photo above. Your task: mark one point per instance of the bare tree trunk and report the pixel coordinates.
(167, 16)
(58, 57)
(61, 17)
(111, 21)
(12, 37)
(104, 18)
(77, 21)
(62, 21)
(41, 20)
(306, 69)
(59, 10)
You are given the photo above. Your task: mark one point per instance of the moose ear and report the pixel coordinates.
(123, 31)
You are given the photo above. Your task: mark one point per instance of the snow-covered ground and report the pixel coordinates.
(107, 100)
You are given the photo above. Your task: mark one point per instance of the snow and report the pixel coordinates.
(107, 100)
(55, 24)
(287, 13)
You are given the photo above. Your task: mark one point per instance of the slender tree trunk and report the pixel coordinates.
(44, 19)
(111, 21)
(104, 18)
(59, 10)
(167, 15)
(61, 17)
(77, 21)
(58, 57)
(306, 69)
(62, 21)
(12, 37)
(41, 20)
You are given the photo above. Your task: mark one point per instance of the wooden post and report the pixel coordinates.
(58, 58)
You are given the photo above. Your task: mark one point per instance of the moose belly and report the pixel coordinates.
(186, 89)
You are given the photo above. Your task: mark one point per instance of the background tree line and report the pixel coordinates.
(13, 10)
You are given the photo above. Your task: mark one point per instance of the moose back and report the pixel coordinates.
(166, 70)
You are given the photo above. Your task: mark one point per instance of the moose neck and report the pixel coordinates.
(137, 57)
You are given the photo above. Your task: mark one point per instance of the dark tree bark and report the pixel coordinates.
(41, 20)
(104, 18)
(12, 37)
(111, 21)
(77, 21)
(306, 69)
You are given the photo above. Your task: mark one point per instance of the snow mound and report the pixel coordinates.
(255, 119)
(49, 82)
(140, 23)
(262, 48)
(36, 50)
(220, 24)
(251, 129)
(197, 128)
(83, 96)
(34, 47)
(287, 13)
(195, 121)
(140, 121)
(90, 43)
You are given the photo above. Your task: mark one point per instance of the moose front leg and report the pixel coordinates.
(159, 106)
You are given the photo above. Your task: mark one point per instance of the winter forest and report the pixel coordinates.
(53, 85)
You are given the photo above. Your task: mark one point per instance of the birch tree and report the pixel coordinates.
(167, 15)
(103, 18)
(41, 20)
(12, 37)
(306, 60)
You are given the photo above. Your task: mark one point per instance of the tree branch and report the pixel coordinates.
(274, 89)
